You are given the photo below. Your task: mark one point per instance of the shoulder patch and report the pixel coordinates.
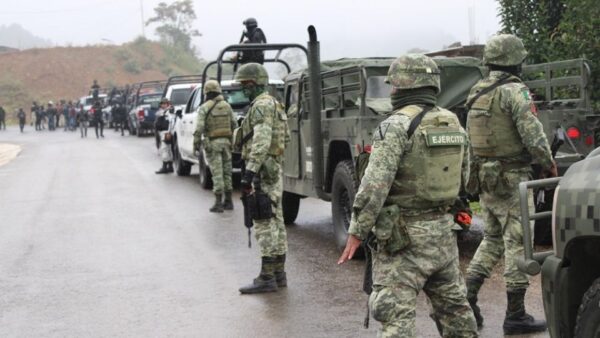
(525, 93)
(380, 131)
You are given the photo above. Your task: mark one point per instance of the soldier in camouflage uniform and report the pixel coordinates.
(506, 137)
(265, 134)
(412, 179)
(216, 123)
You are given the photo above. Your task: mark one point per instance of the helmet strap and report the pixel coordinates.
(514, 70)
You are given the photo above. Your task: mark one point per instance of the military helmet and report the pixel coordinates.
(252, 72)
(211, 86)
(164, 100)
(250, 22)
(414, 71)
(504, 50)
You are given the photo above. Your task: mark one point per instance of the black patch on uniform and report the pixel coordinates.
(382, 130)
(568, 223)
(597, 225)
(590, 213)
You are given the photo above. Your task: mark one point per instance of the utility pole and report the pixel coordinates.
(142, 14)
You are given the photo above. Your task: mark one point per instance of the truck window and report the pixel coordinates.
(180, 96)
(196, 102)
(377, 88)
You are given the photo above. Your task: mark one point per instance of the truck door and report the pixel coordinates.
(292, 156)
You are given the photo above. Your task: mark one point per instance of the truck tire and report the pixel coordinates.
(205, 176)
(181, 166)
(343, 190)
(588, 316)
(139, 131)
(290, 204)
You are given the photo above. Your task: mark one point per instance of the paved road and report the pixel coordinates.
(93, 243)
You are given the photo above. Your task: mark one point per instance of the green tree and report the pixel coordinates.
(556, 30)
(175, 24)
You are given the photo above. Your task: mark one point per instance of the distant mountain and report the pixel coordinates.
(18, 37)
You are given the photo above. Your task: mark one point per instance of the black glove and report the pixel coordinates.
(247, 180)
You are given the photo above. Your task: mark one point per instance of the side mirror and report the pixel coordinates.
(178, 113)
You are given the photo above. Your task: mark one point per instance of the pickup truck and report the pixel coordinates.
(144, 104)
(184, 127)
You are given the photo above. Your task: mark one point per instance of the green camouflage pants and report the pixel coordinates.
(429, 263)
(218, 153)
(503, 234)
(270, 234)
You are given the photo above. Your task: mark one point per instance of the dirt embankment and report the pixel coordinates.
(68, 72)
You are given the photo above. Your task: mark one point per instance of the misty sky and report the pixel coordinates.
(346, 28)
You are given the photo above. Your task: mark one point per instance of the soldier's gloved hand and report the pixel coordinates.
(247, 180)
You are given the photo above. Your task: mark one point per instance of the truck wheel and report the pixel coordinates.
(181, 166)
(343, 190)
(588, 316)
(205, 175)
(290, 203)
(139, 131)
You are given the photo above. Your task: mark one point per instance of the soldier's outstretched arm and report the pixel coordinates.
(389, 140)
(518, 101)
(201, 117)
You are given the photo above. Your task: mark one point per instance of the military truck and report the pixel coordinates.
(571, 271)
(351, 100)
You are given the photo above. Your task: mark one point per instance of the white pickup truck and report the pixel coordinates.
(185, 126)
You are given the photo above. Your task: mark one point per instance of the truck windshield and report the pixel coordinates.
(149, 99)
(180, 96)
(236, 97)
(377, 88)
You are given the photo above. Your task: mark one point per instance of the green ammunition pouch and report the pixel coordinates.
(260, 205)
(489, 172)
(391, 233)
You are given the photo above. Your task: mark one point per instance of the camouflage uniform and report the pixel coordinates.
(218, 148)
(400, 176)
(505, 137)
(264, 134)
(263, 155)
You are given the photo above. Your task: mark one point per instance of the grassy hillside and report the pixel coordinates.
(68, 72)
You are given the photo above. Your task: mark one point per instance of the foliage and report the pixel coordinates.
(556, 30)
(175, 24)
(132, 67)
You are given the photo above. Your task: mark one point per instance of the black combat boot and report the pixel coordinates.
(474, 283)
(218, 206)
(280, 275)
(170, 166)
(163, 170)
(265, 282)
(228, 203)
(517, 321)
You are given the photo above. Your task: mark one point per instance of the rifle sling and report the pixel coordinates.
(503, 80)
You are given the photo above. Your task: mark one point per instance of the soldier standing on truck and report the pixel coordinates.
(95, 90)
(161, 126)
(412, 179)
(264, 136)
(252, 34)
(216, 123)
(502, 159)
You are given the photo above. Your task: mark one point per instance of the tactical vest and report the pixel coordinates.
(429, 174)
(279, 134)
(218, 120)
(492, 131)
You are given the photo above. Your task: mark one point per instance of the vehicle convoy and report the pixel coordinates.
(185, 122)
(571, 271)
(144, 104)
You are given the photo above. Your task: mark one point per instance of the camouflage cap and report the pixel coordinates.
(414, 71)
(211, 86)
(250, 22)
(504, 50)
(252, 72)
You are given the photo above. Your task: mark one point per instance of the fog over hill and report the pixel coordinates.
(15, 36)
